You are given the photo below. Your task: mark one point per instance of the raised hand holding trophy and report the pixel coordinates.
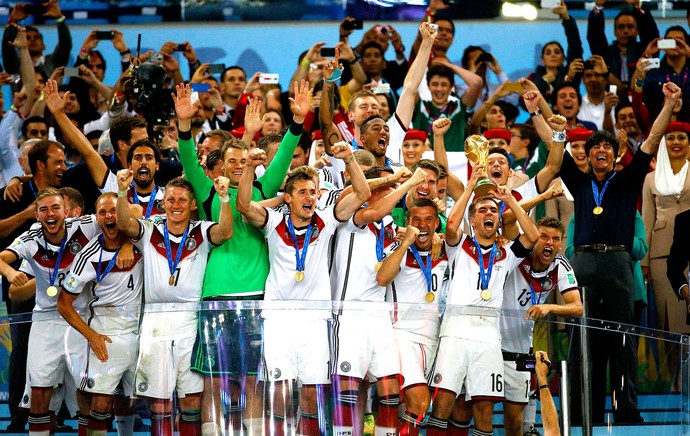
(477, 152)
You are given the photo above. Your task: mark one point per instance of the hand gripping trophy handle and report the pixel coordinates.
(477, 152)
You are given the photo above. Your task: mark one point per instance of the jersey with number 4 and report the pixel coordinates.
(416, 316)
(465, 289)
(187, 278)
(115, 300)
(41, 257)
(525, 288)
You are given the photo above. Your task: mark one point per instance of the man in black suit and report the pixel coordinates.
(679, 257)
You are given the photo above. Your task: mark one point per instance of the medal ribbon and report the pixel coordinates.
(426, 268)
(33, 187)
(111, 264)
(172, 266)
(300, 257)
(56, 268)
(533, 295)
(485, 276)
(595, 190)
(379, 241)
(152, 199)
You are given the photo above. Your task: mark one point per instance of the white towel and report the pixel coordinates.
(666, 182)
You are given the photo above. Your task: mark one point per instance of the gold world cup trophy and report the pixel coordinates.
(477, 152)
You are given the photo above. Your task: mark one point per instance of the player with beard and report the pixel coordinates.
(469, 349)
(414, 278)
(525, 294)
(114, 315)
(48, 252)
(142, 158)
(296, 345)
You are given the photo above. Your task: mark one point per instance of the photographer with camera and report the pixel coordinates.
(58, 58)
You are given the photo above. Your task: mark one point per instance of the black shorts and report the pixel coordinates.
(228, 341)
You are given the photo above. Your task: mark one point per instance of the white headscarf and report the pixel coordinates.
(666, 182)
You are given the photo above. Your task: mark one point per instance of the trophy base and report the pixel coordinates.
(483, 187)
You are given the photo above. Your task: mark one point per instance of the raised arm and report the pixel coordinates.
(549, 413)
(455, 186)
(125, 223)
(26, 71)
(56, 105)
(415, 74)
(345, 208)
(555, 158)
(223, 231)
(327, 108)
(385, 205)
(251, 211)
(359, 77)
(672, 94)
(453, 229)
(473, 81)
(530, 233)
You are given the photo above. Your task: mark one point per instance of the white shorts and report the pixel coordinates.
(296, 350)
(415, 360)
(165, 365)
(365, 345)
(65, 391)
(103, 377)
(517, 383)
(476, 364)
(55, 351)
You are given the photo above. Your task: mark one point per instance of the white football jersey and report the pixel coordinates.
(281, 284)
(355, 260)
(187, 279)
(464, 290)
(416, 317)
(115, 301)
(143, 200)
(41, 257)
(516, 331)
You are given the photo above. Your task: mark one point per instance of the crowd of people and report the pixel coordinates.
(228, 251)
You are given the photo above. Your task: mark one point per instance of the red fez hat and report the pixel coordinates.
(415, 134)
(579, 134)
(678, 127)
(316, 135)
(497, 134)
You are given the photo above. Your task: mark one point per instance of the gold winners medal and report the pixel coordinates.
(598, 210)
(171, 280)
(51, 291)
(377, 267)
(299, 276)
(486, 295)
(429, 297)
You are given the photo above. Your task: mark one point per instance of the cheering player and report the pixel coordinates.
(296, 345)
(469, 349)
(175, 252)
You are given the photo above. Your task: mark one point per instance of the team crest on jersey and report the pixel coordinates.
(90, 383)
(75, 247)
(437, 378)
(345, 367)
(276, 373)
(499, 254)
(190, 244)
(210, 362)
(388, 234)
(142, 387)
(546, 284)
(315, 232)
(159, 206)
